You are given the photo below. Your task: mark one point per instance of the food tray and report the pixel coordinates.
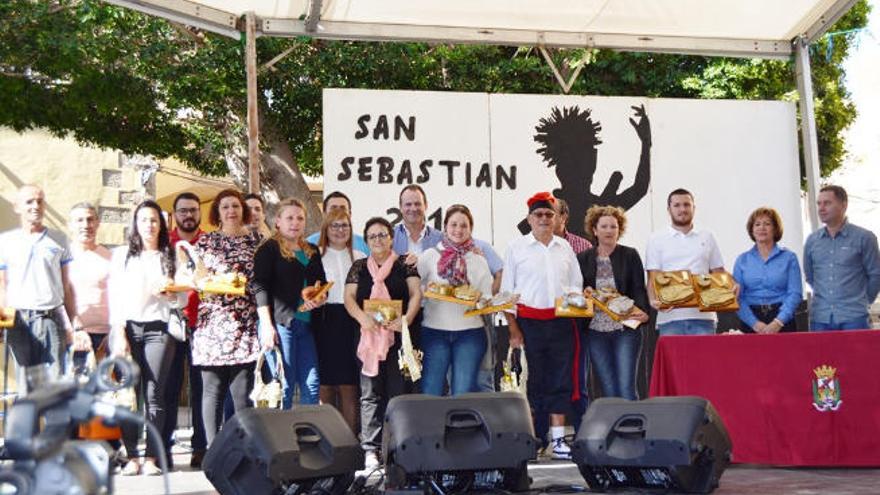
(722, 280)
(682, 277)
(450, 299)
(572, 311)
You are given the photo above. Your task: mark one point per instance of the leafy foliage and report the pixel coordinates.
(116, 78)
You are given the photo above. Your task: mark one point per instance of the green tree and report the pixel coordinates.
(115, 78)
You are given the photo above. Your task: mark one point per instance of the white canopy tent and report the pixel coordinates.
(736, 28)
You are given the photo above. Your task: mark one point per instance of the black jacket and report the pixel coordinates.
(629, 273)
(278, 282)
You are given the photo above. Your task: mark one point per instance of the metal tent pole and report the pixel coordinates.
(808, 126)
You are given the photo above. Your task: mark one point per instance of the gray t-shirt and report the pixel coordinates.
(32, 263)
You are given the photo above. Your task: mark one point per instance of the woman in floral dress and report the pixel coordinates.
(225, 343)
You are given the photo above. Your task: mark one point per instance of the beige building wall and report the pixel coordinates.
(68, 173)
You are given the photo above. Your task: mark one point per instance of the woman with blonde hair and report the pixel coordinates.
(336, 332)
(283, 266)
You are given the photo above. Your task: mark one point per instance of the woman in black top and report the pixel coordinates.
(283, 265)
(614, 348)
(382, 275)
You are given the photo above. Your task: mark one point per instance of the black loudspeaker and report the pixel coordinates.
(462, 443)
(273, 452)
(669, 443)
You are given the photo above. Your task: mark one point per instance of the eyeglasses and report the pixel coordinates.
(544, 214)
(339, 226)
(380, 236)
(186, 211)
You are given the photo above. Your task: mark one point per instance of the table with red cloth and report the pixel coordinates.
(763, 388)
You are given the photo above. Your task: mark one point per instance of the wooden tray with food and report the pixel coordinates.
(464, 294)
(495, 304)
(314, 292)
(675, 290)
(574, 305)
(232, 284)
(9, 319)
(617, 306)
(715, 292)
(383, 311)
(179, 288)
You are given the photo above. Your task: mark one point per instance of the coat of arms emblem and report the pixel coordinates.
(826, 389)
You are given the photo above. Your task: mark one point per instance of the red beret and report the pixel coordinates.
(542, 199)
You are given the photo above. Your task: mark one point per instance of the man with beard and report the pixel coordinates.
(682, 247)
(34, 282)
(187, 217)
(540, 267)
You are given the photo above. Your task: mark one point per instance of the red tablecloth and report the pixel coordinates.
(763, 388)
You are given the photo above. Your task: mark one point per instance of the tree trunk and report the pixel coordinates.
(281, 178)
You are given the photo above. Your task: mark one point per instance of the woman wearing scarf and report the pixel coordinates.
(382, 275)
(449, 339)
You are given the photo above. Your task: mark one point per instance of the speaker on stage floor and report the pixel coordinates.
(668, 443)
(466, 442)
(273, 452)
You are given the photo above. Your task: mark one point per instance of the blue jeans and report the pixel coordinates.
(687, 327)
(857, 324)
(615, 356)
(300, 361)
(462, 350)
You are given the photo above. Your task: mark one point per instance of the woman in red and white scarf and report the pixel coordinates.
(449, 340)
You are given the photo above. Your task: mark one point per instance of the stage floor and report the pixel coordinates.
(738, 479)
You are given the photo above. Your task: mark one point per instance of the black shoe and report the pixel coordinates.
(195, 460)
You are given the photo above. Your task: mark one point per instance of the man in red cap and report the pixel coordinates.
(540, 267)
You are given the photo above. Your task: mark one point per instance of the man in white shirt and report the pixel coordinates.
(540, 267)
(34, 282)
(682, 247)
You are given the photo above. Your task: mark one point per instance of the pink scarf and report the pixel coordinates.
(373, 346)
(452, 266)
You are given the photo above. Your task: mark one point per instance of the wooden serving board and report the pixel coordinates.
(178, 288)
(223, 288)
(9, 321)
(488, 310)
(450, 299)
(720, 279)
(678, 277)
(573, 312)
(372, 305)
(635, 311)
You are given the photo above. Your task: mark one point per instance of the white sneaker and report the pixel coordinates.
(561, 450)
(371, 461)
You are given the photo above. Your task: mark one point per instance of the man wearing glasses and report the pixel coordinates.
(187, 217)
(540, 267)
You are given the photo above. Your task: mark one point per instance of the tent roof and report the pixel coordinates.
(747, 28)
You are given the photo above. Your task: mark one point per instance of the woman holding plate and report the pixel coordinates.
(381, 276)
(611, 268)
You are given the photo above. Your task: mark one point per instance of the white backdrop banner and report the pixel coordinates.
(491, 152)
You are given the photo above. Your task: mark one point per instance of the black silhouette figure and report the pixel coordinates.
(569, 140)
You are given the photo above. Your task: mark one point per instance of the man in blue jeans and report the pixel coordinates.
(682, 247)
(842, 264)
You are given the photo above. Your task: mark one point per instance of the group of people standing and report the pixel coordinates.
(334, 352)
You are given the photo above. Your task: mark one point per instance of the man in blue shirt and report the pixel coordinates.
(338, 200)
(842, 264)
(34, 281)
